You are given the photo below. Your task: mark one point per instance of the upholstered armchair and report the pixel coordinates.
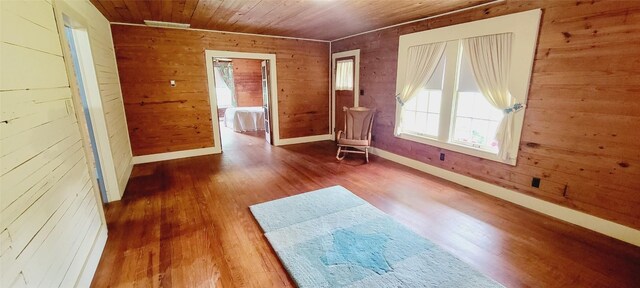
(356, 136)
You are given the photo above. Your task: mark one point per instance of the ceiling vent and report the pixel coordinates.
(166, 24)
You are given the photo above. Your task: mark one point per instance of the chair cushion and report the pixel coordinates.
(345, 141)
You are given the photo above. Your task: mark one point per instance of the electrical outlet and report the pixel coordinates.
(441, 156)
(172, 83)
(535, 182)
(361, 92)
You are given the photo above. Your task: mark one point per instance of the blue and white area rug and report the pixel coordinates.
(332, 238)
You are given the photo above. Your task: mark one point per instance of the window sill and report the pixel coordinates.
(455, 147)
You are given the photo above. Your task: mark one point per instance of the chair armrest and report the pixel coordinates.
(339, 134)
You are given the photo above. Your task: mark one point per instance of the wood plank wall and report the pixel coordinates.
(164, 119)
(110, 92)
(247, 77)
(580, 134)
(49, 215)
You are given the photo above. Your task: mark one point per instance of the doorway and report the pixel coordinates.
(77, 46)
(345, 91)
(86, 102)
(243, 97)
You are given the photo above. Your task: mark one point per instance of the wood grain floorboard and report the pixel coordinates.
(186, 223)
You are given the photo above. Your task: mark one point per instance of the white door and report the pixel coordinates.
(265, 101)
(345, 91)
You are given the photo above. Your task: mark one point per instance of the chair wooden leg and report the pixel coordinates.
(366, 154)
(338, 154)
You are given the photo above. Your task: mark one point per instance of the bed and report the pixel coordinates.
(242, 119)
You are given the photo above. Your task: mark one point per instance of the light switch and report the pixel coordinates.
(173, 83)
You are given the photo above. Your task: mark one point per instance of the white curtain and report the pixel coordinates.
(490, 58)
(223, 92)
(344, 74)
(226, 71)
(422, 61)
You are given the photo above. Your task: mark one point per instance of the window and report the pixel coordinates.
(224, 94)
(471, 101)
(476, 120)
(344, 74)
(421, 115)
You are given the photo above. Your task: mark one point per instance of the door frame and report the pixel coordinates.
(264, 77)
(213, 100)
(356, 83)
(67, 16)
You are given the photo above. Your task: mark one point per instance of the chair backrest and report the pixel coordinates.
(358, 122)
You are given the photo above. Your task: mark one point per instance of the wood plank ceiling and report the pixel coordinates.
(313, 19)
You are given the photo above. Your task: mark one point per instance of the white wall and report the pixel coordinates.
(51, 222)
(107, 72)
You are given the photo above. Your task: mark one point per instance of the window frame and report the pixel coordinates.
(524, 26)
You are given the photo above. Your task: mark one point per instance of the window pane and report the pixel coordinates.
(479, 131)
(411, 104)
(494, 114)
(484, 109)
(421, 122)
(435, 98)
(493, 128)
(433, 120)
(474, 105)
(344, 74)
(423, 100)
(465, 104)
(223, 92)
(417, 115)
(409, 120)
(462, 130)
(224, 97)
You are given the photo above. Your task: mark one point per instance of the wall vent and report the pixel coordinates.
(166, 24)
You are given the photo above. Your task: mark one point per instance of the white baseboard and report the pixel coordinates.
(174, 155)
(307, 139)
(90, 266)
(606, 227)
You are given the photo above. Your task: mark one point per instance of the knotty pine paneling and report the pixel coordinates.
(247, 77)
(326, 20)
(49, 214)
(164, 119)
(580, 133)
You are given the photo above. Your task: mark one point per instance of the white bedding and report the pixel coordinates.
(242, 119)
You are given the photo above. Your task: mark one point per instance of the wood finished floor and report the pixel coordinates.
(186, 223)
